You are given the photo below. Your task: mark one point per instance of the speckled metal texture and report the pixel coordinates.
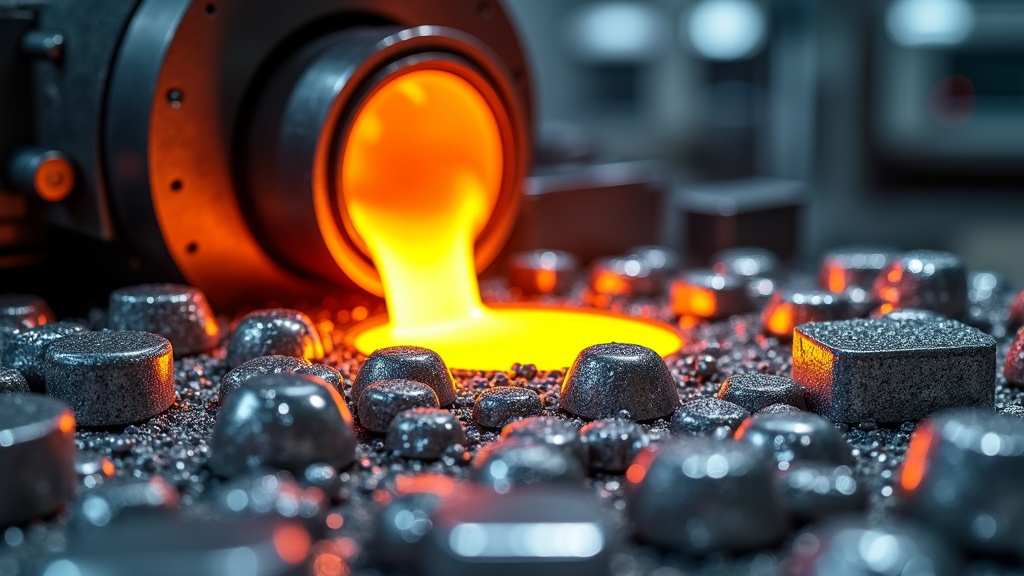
(274, 332)
(286, 421)
(510, 464)
(177, 312)
(110, 377)
(1013, 366)
(37, 457)
(410, 363)
(755, 391)
(25, 350)
(699, 495)
(962, 476)
(12, 381)
(611, 380)
(498, 406)
(424, 433)
(384, 400)
(274, 365)
(704, 416)
(893, 370)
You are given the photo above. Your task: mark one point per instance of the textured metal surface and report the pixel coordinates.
(274, 332)
(497, 406)
(406, 362)
(25, 350)
(111, 377)
(705, 416)
(177, 312)
(756, 391)
(381, 401)
(796, 436)
(927, 279)
(619, 380)
(424, 433)
(274, 365)
(892, 370)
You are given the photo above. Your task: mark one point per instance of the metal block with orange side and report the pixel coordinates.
(892, 371)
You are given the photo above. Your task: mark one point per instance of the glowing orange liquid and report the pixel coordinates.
(421, 173)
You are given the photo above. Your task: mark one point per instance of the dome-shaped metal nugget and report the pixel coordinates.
(607, 379)
(286, 421)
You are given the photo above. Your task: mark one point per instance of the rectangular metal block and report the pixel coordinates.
(892, 371)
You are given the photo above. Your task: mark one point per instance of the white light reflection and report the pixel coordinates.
(533, 540)
(914, 23)
(625, 31)
(725, 29)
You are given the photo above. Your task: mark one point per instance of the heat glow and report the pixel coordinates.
(421, 173)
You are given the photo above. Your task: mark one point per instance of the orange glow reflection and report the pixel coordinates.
(917, 454)
(67, 423)
(694, 301)
(835, 279)
(421, 173)
(292, 543)
(780, 322)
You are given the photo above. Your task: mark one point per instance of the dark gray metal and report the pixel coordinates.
(25, 350)
(177, 312)
(274, 332)
(612, 444)
(849, 266)
(275, 495)
(424, 433)
(12, 381)
(111, 378)
(707, 294)
(700, 495)
(787, 309)
(479, 532)
(382, 401)
(892, 370)
(619, 380)
(962, 477)
(495, 407)
(406, 362)
(812, 491)
(927, 279)
(275, 365)
(704, 416)
(755, 391)
(796, 437)
(37, 457)
(511, 464)
(286, 421)
(550, 431)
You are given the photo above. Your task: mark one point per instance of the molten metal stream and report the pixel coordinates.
(421, 173)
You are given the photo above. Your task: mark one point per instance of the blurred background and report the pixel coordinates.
(798, 125)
